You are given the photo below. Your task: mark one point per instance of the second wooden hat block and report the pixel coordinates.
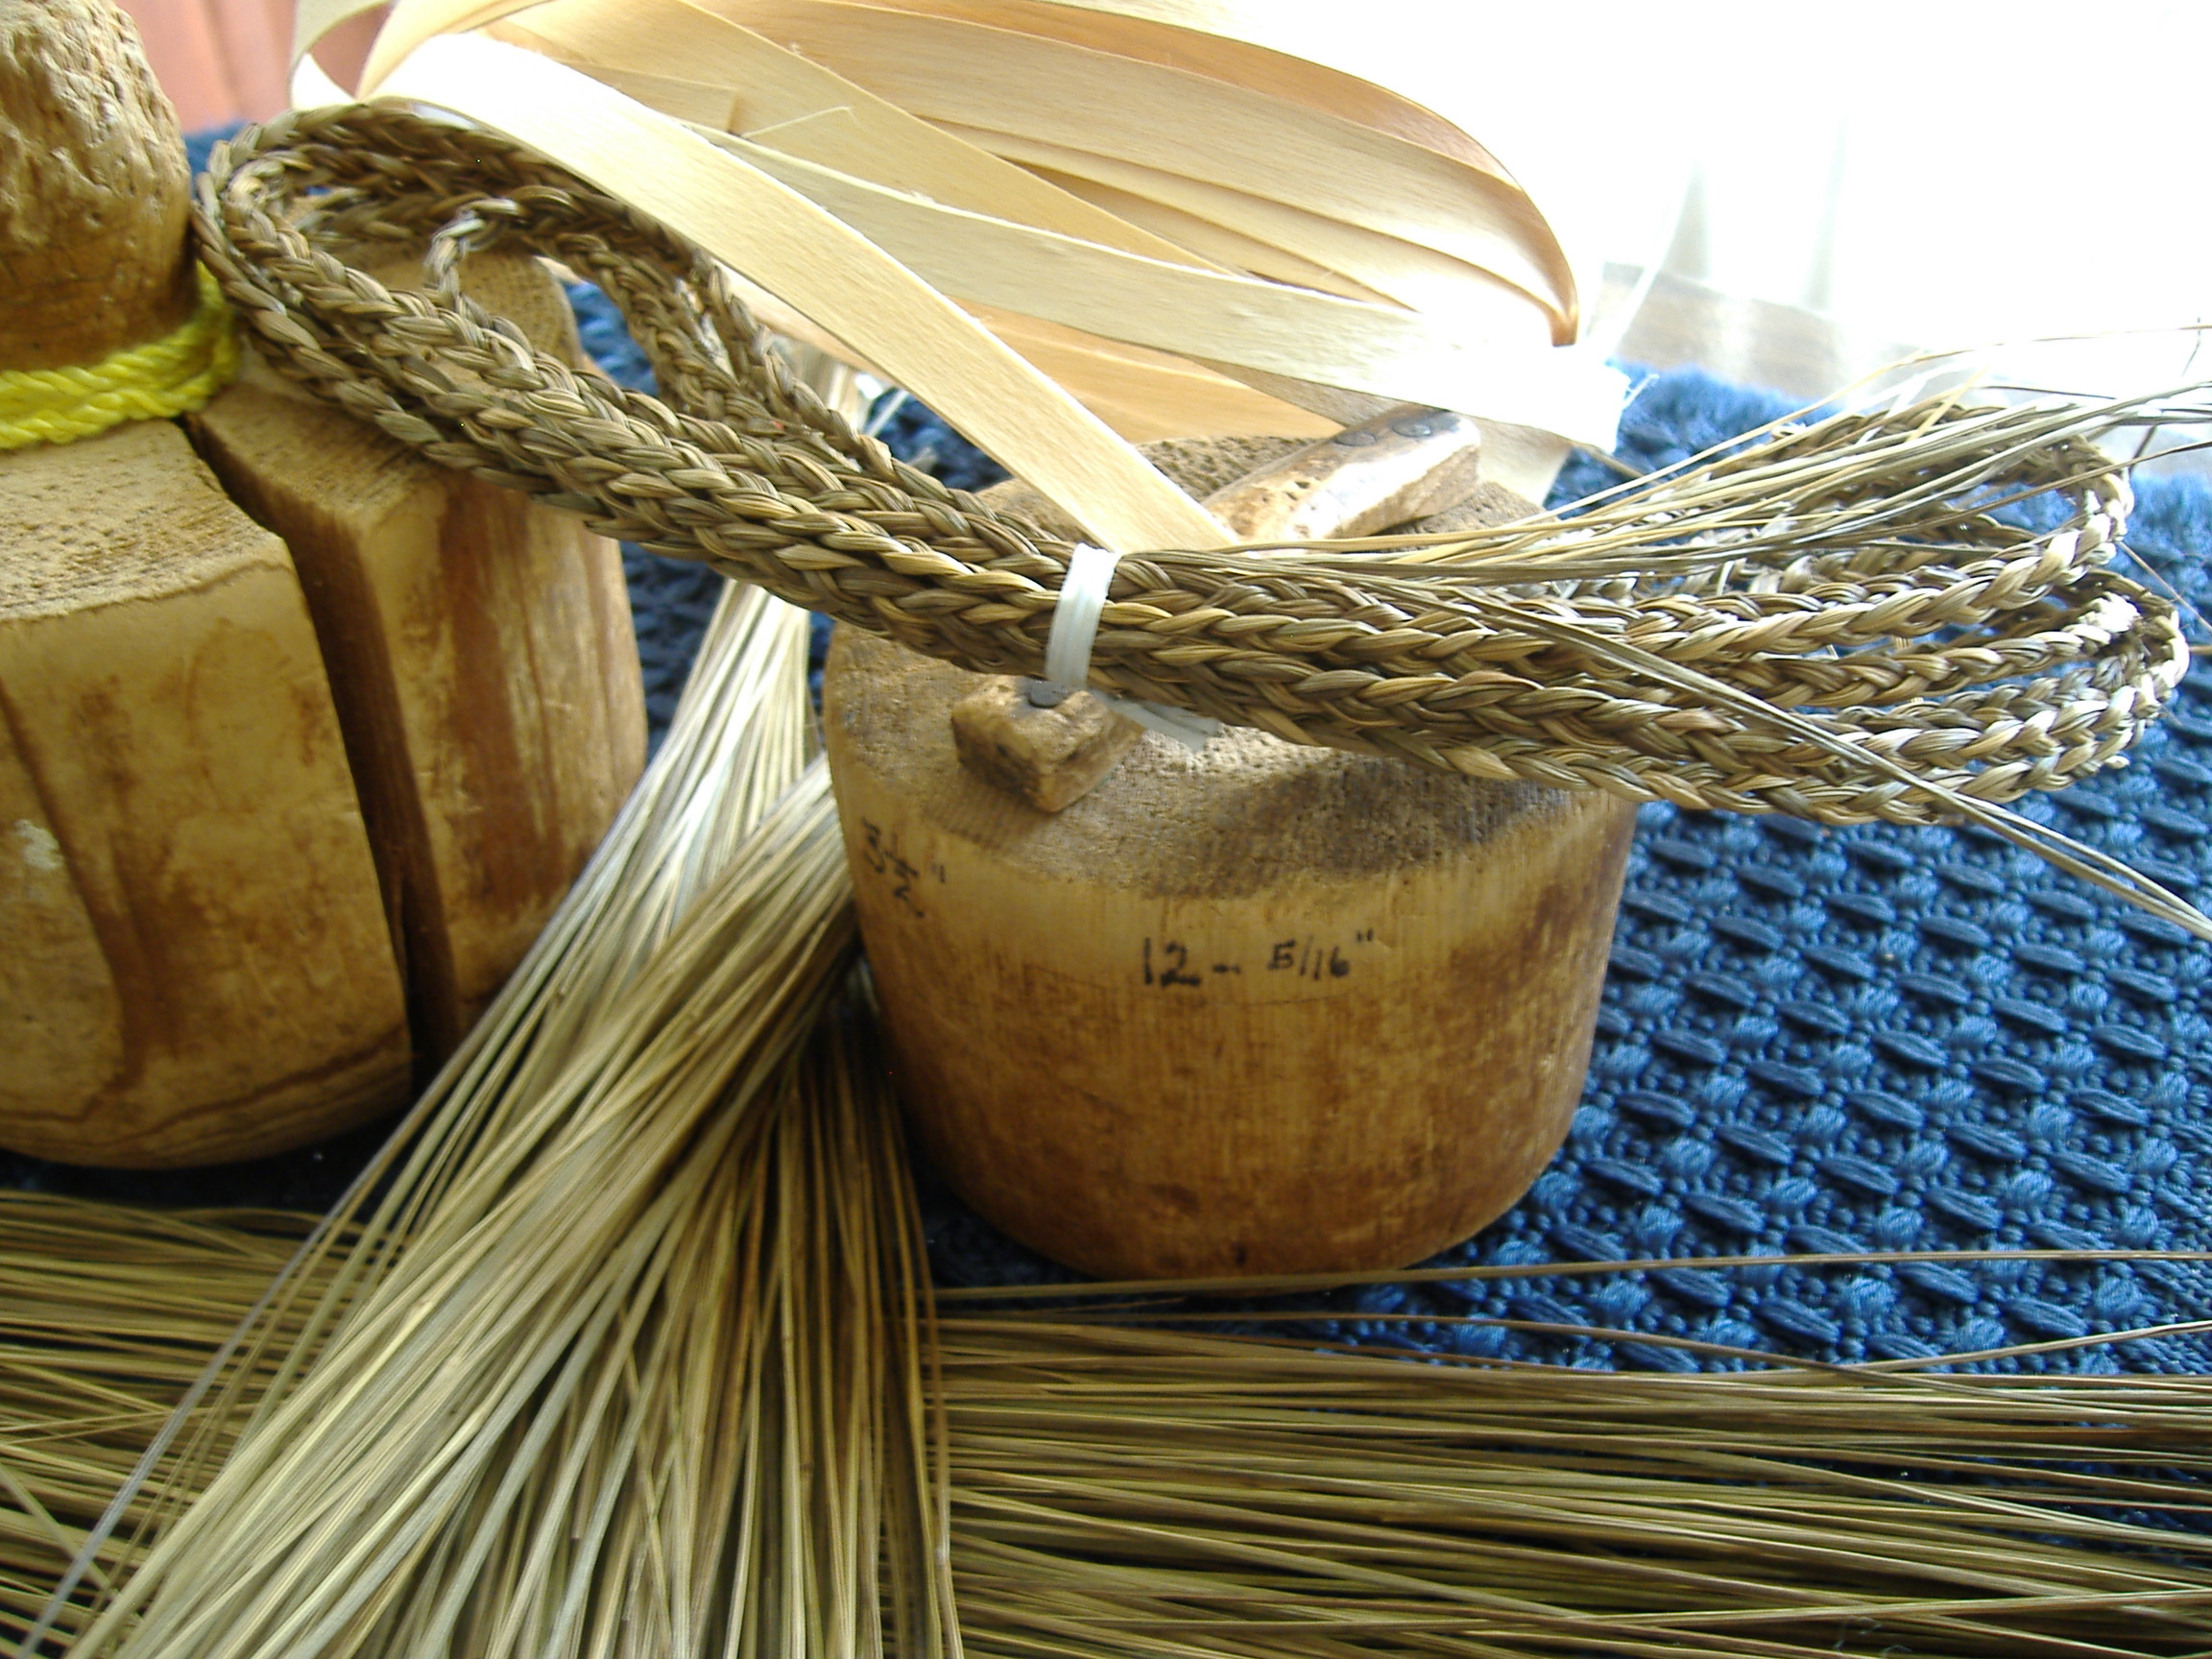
(1259, 1008)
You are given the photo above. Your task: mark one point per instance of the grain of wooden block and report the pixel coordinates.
(1255, 1009)
(195, 961)
(193, 958)
(480, 650)
(1258, 1008)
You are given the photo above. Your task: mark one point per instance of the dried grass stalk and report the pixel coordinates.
(1145, 1493)
(107, 1315)
(1139, 1493)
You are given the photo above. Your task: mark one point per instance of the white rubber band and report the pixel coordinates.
(1075, 631)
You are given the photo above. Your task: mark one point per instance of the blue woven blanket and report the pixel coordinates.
(1811, 1039)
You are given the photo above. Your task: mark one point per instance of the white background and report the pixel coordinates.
(1940, 174)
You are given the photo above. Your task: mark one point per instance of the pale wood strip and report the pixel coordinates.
(695, 103)
(413, 22)
(832, 21)
(1230, 250)
(1196, 37)
(313, 19)
(823, 267)
(1383, 350)
(1406, 272)
(1142, 395)
(773, 92)
(1148, 395)
(992, 79)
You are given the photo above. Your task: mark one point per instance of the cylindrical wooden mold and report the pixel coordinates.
(1257, 1009)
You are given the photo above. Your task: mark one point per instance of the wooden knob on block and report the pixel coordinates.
(1254, 1009)
(1042, 743)
(1405, 464)
(93, 191)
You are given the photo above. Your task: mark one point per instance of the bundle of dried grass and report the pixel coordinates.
(1128, 1491)
(603, 1355)
(759, 1469)
(1138, 1493)
(107, 1315)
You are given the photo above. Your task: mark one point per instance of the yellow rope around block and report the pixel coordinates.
(172, 375)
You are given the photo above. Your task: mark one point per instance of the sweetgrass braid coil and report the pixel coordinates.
(1831, 622)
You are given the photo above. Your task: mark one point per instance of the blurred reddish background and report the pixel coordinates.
(226, 61)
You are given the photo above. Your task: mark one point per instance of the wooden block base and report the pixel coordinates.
(1257, 1009)
(196, 964)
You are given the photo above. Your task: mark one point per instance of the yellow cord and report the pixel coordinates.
(172, 375)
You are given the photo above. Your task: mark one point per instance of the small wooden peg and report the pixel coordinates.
(1039, 742)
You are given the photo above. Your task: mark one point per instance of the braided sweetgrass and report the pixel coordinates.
(1834, 622)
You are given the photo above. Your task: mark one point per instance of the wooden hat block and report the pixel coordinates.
(1259, 1008)
(285, 817)
(193, 957)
